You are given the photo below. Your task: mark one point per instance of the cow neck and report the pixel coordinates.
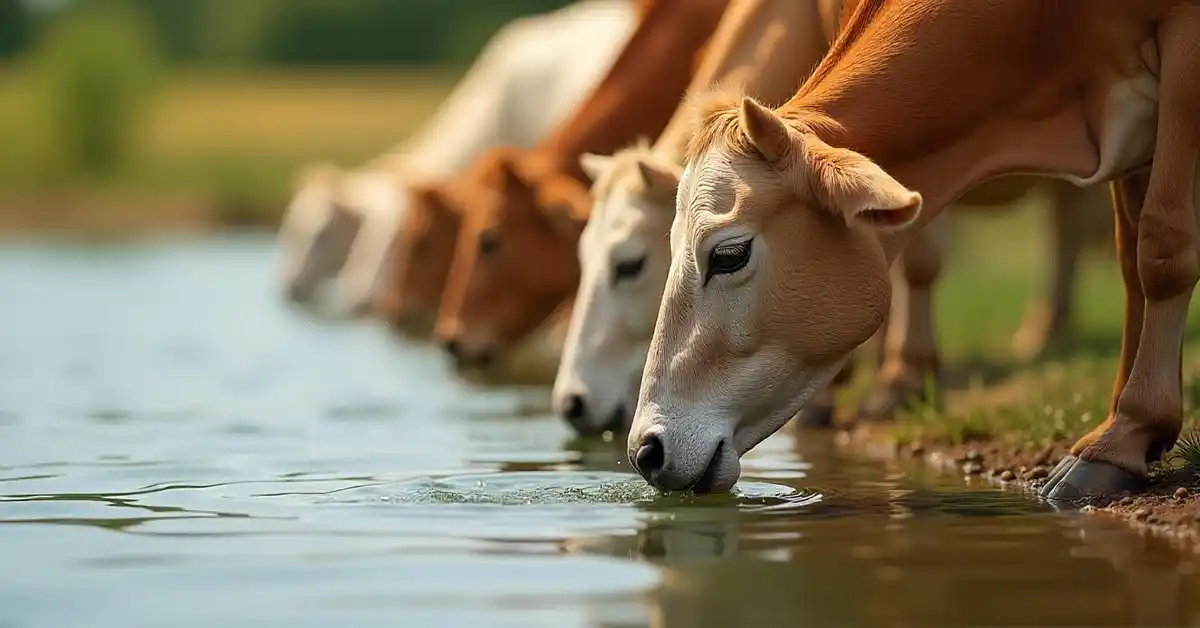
(885, 91)
(641, 90)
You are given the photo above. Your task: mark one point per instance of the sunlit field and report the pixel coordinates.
(220, 148)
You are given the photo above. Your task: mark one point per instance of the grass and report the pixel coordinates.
(231, 142)
(998, 263)
(1187, 451)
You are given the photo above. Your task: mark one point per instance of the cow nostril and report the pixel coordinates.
(299, 293)
(486, 358)
(574, 408)
(453, 348)
(650, 456)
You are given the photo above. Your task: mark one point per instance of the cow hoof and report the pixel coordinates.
(1040, 336)
(883, 403)
(1075, 479)
(815, 416)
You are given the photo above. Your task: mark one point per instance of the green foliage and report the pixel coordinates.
(1187, 451)
(357, 32)
(91, 72)
(14, 26)
(310, 32)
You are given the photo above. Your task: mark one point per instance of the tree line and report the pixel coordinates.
(296, 32)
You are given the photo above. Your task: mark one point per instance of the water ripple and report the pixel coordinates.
(524, 488)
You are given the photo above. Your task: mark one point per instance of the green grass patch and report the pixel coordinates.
(998, 264)
(233, 141)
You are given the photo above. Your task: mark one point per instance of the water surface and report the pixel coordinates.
(179, 448)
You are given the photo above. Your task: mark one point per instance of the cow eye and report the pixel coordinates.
(489, 243)
(628, 269)
(726, 259)
(421, 243)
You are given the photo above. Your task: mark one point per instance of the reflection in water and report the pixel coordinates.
(902, 556)
(305, 475)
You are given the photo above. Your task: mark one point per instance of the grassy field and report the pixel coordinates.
(998, 266)
(1012, 421)
(217, 148)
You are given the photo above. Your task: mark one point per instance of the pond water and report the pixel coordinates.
(179, 448)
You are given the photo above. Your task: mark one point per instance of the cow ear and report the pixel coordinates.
(660, 180)
(322, 173)
(594, 166)
(430, 198)
(566, 219)
(508, 177)
(852, 185)
(765, 130)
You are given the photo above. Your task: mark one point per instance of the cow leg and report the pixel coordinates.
(1046, 325)
(1147, 415)
(1074, 477)
(910, 351)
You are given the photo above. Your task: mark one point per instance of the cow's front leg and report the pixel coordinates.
(1046, 325)
(1147, 416)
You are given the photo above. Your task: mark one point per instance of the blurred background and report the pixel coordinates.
(151, 115)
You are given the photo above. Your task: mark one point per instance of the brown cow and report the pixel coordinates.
(515, 260)
(532, 74)
(634, 202)
(909, 355)
(790, 218)
(419, 261)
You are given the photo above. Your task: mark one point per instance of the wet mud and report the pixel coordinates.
(1169, 505)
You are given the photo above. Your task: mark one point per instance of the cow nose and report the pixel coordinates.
(453, 347)
(650, 457)
(574, 408)
(298, 292)
(574, 411)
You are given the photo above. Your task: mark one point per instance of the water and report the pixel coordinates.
(178, 448)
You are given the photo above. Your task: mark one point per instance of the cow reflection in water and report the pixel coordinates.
(901, 556)
(1159, 579)
(670, 540)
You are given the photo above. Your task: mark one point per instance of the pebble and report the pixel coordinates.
(1007, 476)
(974, 456)
(917, 449)
(1126, 500)
(1141, 513)
(1181, 493)
(1037, 473)
(972, 468)
(1088, 509)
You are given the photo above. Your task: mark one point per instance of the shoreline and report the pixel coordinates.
(1169, 507)
(71, 213)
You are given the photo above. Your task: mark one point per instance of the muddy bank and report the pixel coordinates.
(1170, 505)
